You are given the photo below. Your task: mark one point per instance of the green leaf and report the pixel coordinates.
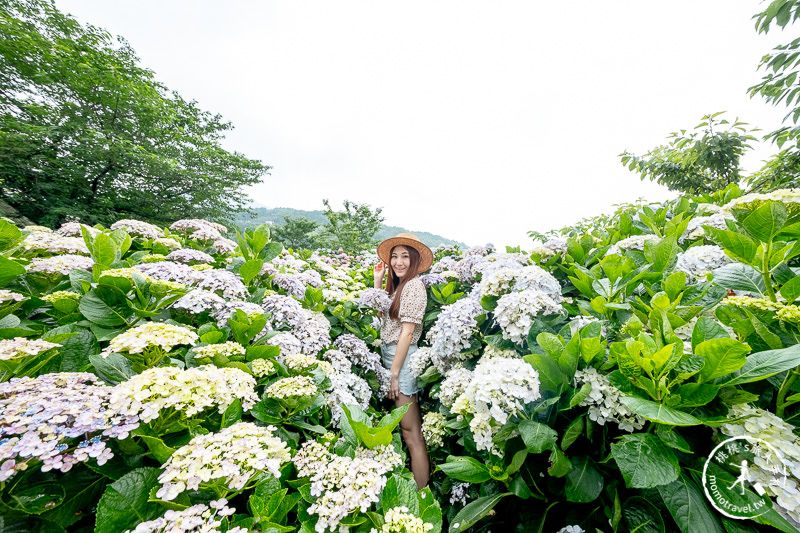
(85, 488)
(537, 437)
(663, 253)
(474, 511)
(106, 306)
(124, 503)
(764, 364)
(688, 506)
(466, 469)
(772, 340)
(674, 284)
(551, 377)
(160, 451)
(584, 481)
(232, 414)
(722, 356)
(656, 412)
(766, 221)
(580, 395)
(791, 289)
(559, 464)
(271, 251)
(573, 431)
(250, 269)
(739, 277)
(9, 270)
(400, 491)
(707, 329)
(213, 337)
(696, 394)
(645, 462)
(673, 439)
(642, 516)
(392, 419)
(105, 250)
(372, 437)
(738, 244)
(552, 344)
(113, 369)
(35, 498)
(10, 235)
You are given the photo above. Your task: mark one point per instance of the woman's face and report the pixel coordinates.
(400, 261)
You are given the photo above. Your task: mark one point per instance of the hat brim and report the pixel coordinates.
(425, 253)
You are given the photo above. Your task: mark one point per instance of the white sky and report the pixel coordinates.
(478, 121)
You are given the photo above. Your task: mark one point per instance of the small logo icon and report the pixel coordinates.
(736, 474)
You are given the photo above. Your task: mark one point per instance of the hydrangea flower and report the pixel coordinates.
(433, 429)
(11, 296)
(148, 335)
(262, 367)
(419, 361)
(500, 388)
(189, 391)
(604, 402)
(788, 197)
(59, 419)
(234, 456)
(198, 518)
(762, 304)
(223, 282)
(291, 387)
(784, 485)
(376, 299)
(300, 362)
(359, 354)
(227, 349)
(789, 313)
(634, 242)
(530, 277)
(343, 484)
(452, 331)
(459, 493)
(22, 347)
(153, 258)
(285, 311)
(516, 311)
(287, 342)
(189, 256)
(699, 261)
(169, 271)
(400, 520)
(60, 264)
(73, 229)
(490, 352)
(454, 384)
(137, 228)
(168, 243)
(126, 273)
(224, 246)
(432, 279)
(694, 230)
(53, 243)
(199, 301)
(190, 225)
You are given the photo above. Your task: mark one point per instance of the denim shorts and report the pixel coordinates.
(407, 382)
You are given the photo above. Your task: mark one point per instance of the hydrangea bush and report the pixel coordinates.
(175, 379)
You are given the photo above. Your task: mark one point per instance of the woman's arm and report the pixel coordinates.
(406, 332)
(379, 271)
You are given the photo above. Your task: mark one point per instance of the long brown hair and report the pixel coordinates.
(393, 284)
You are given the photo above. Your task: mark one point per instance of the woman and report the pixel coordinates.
(406, 257)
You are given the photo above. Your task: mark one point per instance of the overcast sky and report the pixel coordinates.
(478, 121)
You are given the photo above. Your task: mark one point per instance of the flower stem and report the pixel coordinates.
(786, 386)
(765, 271)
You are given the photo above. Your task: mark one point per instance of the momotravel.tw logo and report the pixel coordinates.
(738, 472)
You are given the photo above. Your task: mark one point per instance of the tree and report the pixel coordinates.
(85, 131)
(704, 161)
(298, 233)
(353, 229)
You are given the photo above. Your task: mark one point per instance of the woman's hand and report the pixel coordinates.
(394, 388)
(379, 271)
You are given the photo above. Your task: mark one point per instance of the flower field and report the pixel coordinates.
(175, 379)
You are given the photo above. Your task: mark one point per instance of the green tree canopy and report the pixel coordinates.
(298, 233)
(354, 228)
(702, 161)
(86, 131)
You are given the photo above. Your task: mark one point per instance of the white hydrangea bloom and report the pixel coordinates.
(343, 484)
(782, 486)
(22, 347)
(227, 349)
(224, 246)
(190, 255)
(168, 243)
(199, 518)
(634, 242)
(189, 391)
(151, 334)
(452, 331)
(60, 264)
(137, 228)
(290, 387)
(73, 229)
(454, 384)
(433, 429)
(698, 261)
(500, 388)
(459, 493)
(694, 230)
(262, 367)
(571, 529)
(789, 197)
(516, 311)
(11, 296)
(490, 352)
(419, 361)
(400, 520)
(235, 455)
(604, 401)
(199, 301)
(41, 241)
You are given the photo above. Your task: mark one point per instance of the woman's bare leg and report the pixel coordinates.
(411, 428)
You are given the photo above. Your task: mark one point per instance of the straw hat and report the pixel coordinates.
(406, 239)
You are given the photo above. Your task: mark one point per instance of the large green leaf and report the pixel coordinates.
(105, 250)
(466, 469)
(739, 277)
(537, 437)
(114, 368)
(584, 481)
(551, 377)
(662, 254)
(722, 356)
(35, 498)
(656, 412)
(84, 489)
(791, 289)
(106, 306)
(9, 270)
(706, 329)
(766, 221)
(474, 511)
(400, 492)
(737, 244)
(124, 503)
(250, 269)
(10, 235)
(688, 506)
(645, 462)
(764, 364)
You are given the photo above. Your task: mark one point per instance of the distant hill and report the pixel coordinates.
(275, 216)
